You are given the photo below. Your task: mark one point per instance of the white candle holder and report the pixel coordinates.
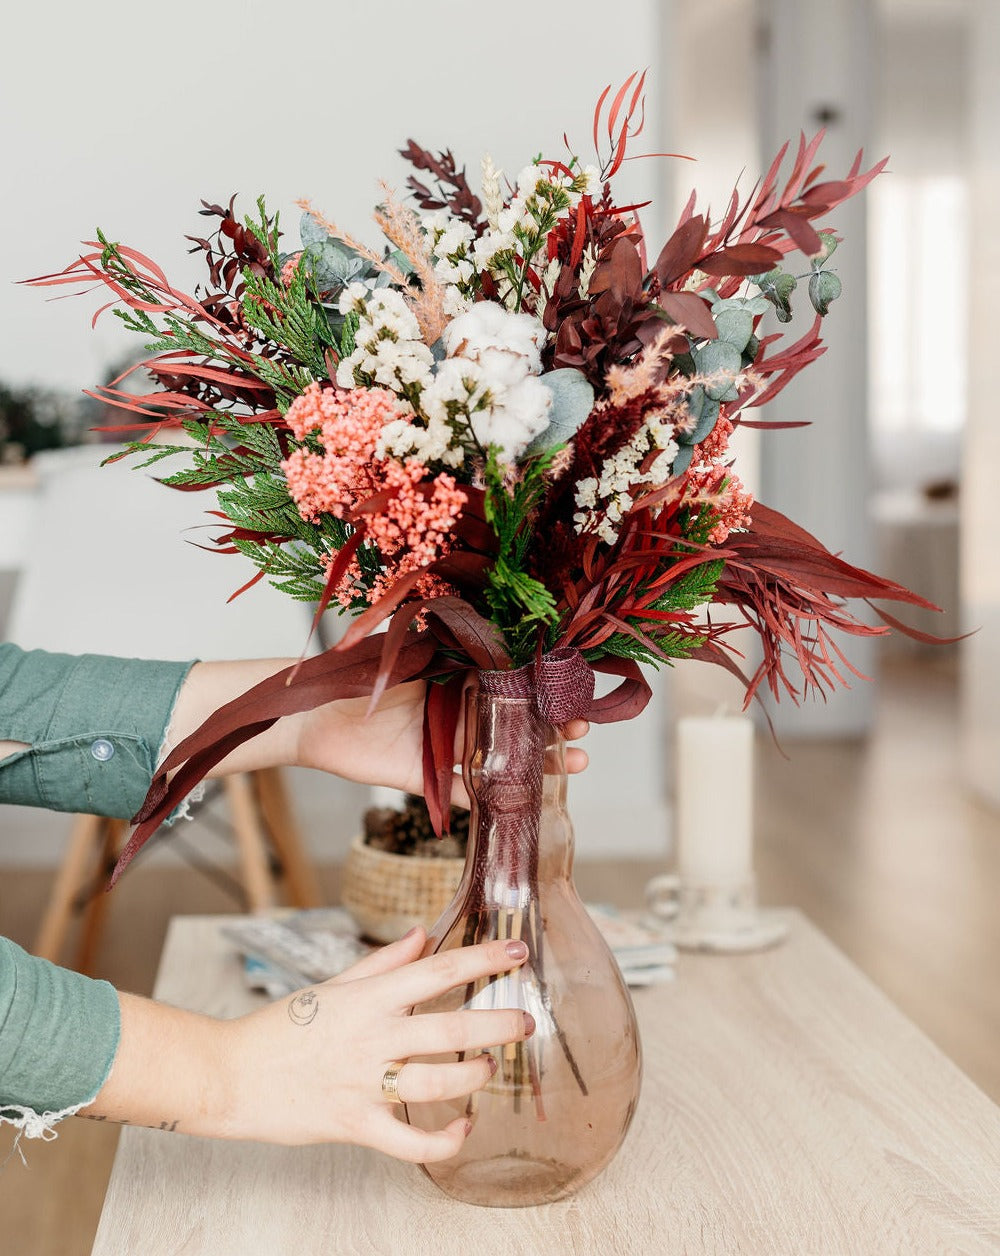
(717, 916)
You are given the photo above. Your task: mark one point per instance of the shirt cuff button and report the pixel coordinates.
(102, 750)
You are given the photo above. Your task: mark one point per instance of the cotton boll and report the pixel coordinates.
(532, 401)
(490, 326)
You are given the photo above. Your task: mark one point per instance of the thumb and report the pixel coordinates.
(386, 958)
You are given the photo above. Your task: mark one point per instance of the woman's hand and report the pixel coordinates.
(384, 748)
(309, 1068)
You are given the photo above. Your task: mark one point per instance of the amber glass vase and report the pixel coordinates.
(560, 1103)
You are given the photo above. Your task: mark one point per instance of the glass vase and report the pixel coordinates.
(560, 1103)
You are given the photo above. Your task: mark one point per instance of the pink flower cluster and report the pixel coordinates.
(417, 512)
(718, 485)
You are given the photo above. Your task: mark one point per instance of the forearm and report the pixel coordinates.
(173, 1070)
(211, 685)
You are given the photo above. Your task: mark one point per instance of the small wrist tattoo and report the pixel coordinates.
(303, 1008)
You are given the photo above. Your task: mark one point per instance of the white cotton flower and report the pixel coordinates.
(517, 416)
(489, 326)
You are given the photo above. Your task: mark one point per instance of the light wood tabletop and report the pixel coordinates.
(788, 1109)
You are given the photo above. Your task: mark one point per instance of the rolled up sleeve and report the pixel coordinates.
(93, 726)
(59, 1033)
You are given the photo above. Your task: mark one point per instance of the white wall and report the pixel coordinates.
(124, 115)
(980, 569)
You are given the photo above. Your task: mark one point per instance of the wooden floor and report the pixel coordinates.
(874, 840)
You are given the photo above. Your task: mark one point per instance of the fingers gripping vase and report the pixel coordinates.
(560, 1103)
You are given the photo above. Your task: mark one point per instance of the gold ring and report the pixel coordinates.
(390, 1082)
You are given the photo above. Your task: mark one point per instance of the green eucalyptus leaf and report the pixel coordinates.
(735, 327)
(310, 231)
(706, 422)
(751, 350)
(695, 405)
(830, 243)
(683, 460)
(719, 358)
(572, 401)
(824, 287)
(756, 305)
(400, 259)
(334, 266)
(777, 286)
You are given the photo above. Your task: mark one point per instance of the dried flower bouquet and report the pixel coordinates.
(507, 433)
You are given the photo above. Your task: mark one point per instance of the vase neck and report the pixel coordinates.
(514, 770)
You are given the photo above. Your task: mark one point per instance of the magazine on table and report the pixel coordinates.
(284, 953)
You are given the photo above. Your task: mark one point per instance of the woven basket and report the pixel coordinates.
(388, 894)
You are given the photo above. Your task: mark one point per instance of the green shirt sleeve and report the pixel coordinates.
(58, 1037)
(93, 726)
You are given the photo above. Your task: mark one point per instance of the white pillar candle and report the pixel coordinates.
(714, 791)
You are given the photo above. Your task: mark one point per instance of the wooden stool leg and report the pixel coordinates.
(257, 881)
(84, 841)
(96, 909)
(303, 884)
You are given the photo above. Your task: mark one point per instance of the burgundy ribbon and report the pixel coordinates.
(561, 682)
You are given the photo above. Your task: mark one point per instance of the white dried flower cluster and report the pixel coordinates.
(388, 349)
(431, 443)
(450, 241)
(604, 502)
(541, 198)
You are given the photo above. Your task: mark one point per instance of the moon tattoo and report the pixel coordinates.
(303, 1008)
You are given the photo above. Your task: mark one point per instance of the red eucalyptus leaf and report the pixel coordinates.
(379, 611)
(626, 700)
(254, 579)
(463, 568)
(678, 254)
(442, 708)
(616, 104)
(740, 259)
(796, 223)
(915, 634)
(691, 311)
(597, 116)
(481, 640)
(336, 573)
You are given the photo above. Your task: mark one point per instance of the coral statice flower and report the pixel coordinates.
(346, 425)
(712, 482)
(411, 531)
(411, 528)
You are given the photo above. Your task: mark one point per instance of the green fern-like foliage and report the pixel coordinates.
(520, 605)
(692, 589)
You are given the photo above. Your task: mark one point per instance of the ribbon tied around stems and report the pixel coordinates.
(561, 682)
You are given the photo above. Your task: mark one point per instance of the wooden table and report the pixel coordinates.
(788, 1108)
